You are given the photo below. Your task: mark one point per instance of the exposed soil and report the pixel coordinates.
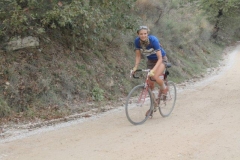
(203, 126)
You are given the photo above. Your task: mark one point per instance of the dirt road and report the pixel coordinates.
(205, 125)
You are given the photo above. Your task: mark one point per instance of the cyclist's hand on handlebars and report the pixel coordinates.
(134, 69)
(151, 73)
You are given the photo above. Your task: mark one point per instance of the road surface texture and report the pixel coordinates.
(205, 125)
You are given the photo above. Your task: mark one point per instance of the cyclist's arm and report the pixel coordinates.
(138, 57)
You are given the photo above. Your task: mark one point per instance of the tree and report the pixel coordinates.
(220, 12)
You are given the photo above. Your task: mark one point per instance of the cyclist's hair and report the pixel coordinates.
(143, 27)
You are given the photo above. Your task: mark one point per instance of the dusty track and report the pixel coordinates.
(203, 126)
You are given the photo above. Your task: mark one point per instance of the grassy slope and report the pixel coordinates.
(52, 82)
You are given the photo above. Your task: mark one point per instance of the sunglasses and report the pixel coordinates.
(143, 27)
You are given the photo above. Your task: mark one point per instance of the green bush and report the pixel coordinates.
(83, 21)
(97, 94)
(4, 108)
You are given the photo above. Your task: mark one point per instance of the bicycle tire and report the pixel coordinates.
(139, 101)
(166, 106)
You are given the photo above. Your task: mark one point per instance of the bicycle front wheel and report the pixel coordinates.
(139, 101)
(167, 103)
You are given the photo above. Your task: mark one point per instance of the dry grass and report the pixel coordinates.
(49, 83)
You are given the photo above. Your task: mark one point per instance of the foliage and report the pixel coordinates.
(97, 94)
(82, 19)
(217, 8)
(222, 13)
(4, 108)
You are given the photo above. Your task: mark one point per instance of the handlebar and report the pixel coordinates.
(139, 70)
(168, 65)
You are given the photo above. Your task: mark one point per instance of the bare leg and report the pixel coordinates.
(159, 72)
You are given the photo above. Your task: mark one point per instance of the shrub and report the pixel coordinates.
(83, 21)
(4, 108)
(97, 94)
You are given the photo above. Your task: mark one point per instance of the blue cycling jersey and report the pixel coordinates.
(151, 49)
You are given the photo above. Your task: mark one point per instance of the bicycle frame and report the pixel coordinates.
(146, 85)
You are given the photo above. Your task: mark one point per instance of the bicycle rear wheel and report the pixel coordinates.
(167, 104)
(139, 101)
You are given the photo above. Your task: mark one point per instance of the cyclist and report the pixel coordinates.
(149, 46)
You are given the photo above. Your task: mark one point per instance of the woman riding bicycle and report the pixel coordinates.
(149, 46)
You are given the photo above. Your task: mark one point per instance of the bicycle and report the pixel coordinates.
(141, 99)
